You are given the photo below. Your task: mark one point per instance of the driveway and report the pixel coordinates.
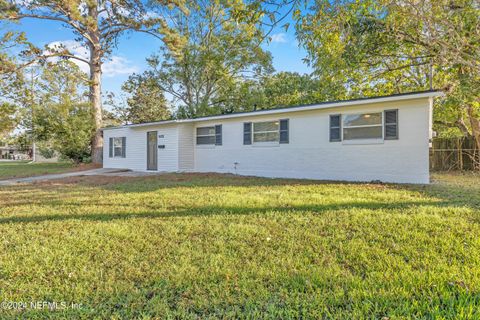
(93, 172)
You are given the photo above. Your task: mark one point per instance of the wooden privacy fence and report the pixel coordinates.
(454, 154)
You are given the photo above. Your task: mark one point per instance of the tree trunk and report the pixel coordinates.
(96, 101)
(475, 124)
(462, 126)
(95, 87)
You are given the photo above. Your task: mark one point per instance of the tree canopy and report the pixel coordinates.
(60, 113)
(144, 102)
(220, 50)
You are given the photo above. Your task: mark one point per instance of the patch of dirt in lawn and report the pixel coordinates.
(101, 180)
(202, 178)
(97, 180)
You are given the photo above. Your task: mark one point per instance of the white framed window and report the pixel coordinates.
(266, 132)
(118, 147)
(363, 126)
(206, 135)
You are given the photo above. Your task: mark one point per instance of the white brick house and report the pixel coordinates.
(382, 138)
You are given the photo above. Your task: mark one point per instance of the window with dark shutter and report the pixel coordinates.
(284, 131)
(335, 127)
(247, 133)
(206, 135)
(362, 126)
(218, 135)
(266, 132)
(124, 147)
(110, 147)
(391, 124)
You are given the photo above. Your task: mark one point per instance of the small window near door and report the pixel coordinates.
(117, 147)
(362, 126)
(206, 135)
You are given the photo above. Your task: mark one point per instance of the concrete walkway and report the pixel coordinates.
(93, 172)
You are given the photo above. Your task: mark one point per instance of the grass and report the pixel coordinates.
(210, 246)
(20, 169)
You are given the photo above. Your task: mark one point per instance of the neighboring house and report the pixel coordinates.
(381, 138)
(35, 154)
(14, 153)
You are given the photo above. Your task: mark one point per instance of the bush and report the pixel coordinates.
(68, 127)
(46, 152)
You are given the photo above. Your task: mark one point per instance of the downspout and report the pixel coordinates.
(430, 121)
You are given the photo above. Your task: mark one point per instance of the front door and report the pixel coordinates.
(152, 150)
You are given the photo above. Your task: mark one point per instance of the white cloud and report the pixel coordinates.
(116, 65)
(279, 38)
(24, 3)
(151, 15)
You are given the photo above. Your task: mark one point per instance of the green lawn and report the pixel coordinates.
(24, 169)
(211, 246)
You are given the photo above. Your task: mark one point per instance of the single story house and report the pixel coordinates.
(381, 138)
(8, 152)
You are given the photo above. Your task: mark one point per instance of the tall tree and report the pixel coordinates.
(9, 119)
(385, 46)
(223, 47)
(291, 88)
(61, 114)
(8, 40)
(145, 101)
(98, 24)
(12, 80)
(11, 75)
(347, 43)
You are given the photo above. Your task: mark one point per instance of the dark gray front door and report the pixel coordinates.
(152, 150)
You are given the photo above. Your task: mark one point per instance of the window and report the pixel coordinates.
(209, 135)
(391, 124)
(284, 124)
(335, 128)
(218, 135)
(117, 147)
(266, 131)
(206, 135)
(362, 126)
(247, 133)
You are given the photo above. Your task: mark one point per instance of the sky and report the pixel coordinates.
(129, 56)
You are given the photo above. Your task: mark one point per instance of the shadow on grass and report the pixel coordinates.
(173, 180)
(456, 194)
(443, 195)
(220, 210)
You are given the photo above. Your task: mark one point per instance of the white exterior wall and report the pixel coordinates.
(186, 147)
(310, 154)
(135, 153)
(136, 148)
